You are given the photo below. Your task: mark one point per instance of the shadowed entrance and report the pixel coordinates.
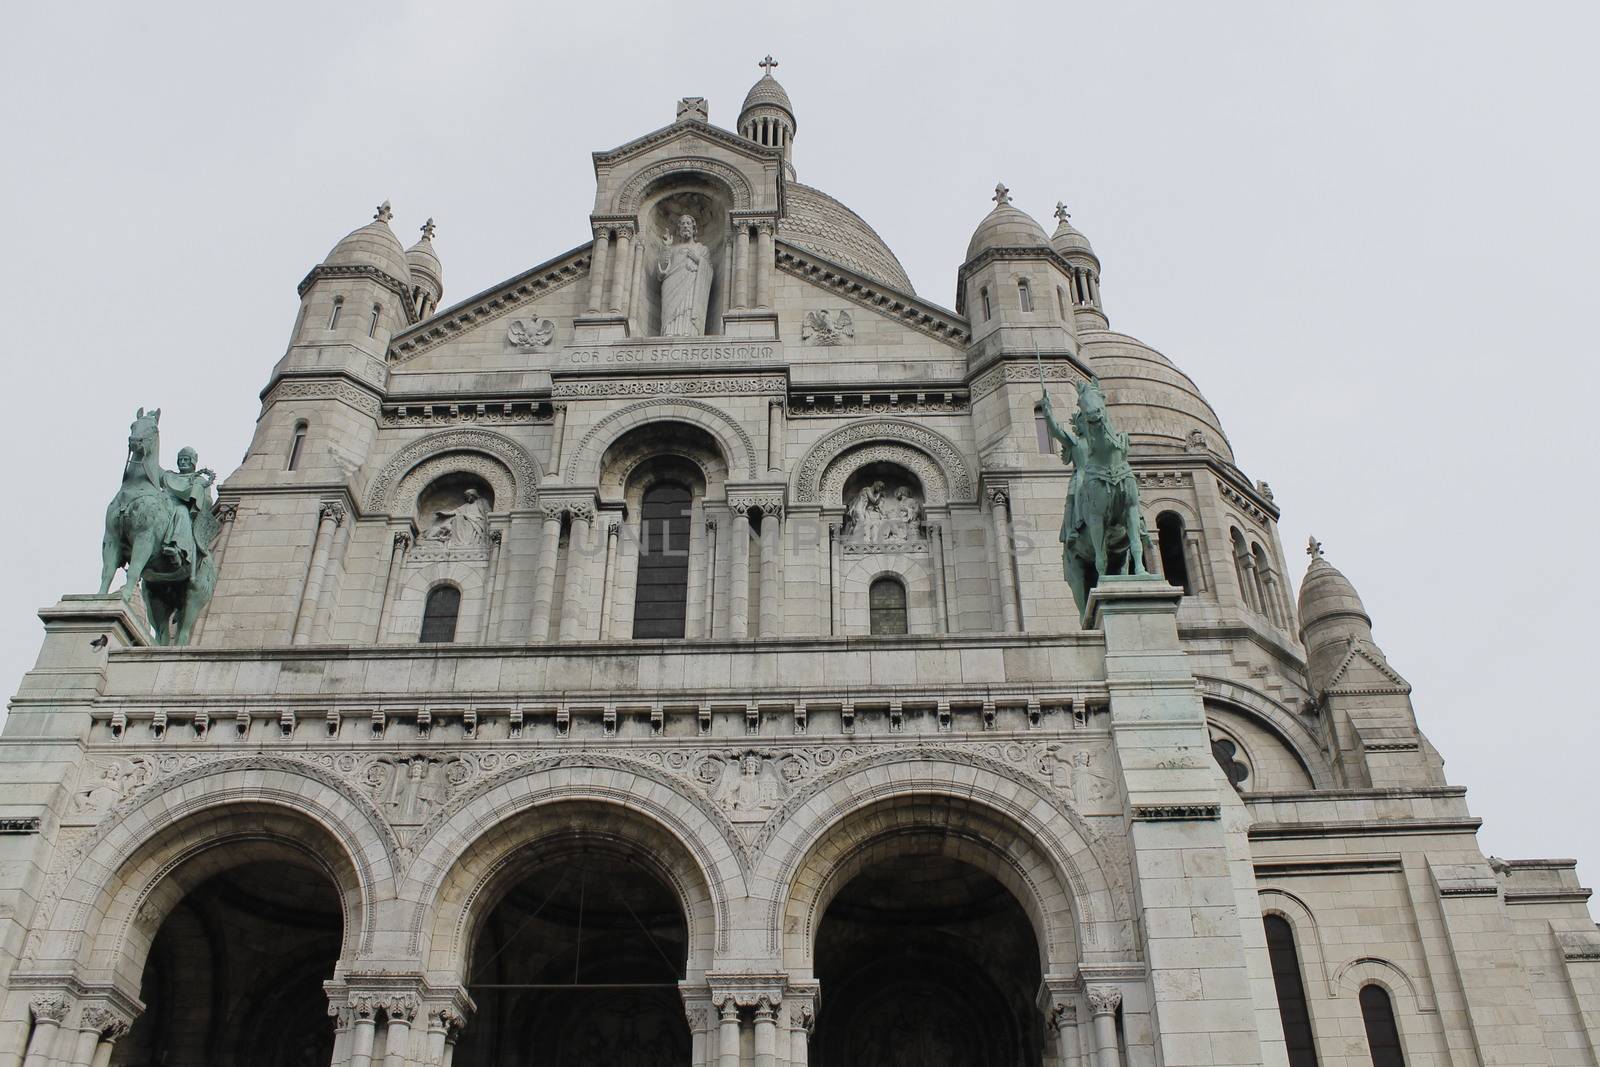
(579, 964)
(926, 961)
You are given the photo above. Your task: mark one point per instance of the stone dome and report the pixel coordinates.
(767, 91)
(1326, 596)
(1067, 239)
(818, 223)
(373, 245)
(1152, 401)
(1007, 226)
(424, 261)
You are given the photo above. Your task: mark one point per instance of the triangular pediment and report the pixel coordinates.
(1365, 668)
(752, 175)
(687, 136)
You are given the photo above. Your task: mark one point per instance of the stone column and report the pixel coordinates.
(558, 430)
(1064, 1019)
(608, 579)
(1269, 590)
(364, 1030)
(1192, 556)
(329, 516)
(764, 264)
(401, 1011)
(802, 1020)
(739, 579)
(492, 582)
(574, 592)
(727, 1034)
(771, 542)
(621, 273)
(766, 1033)
(710, 628)
(1248, 587)
(774, 435)
(741, 266)
(323, 611)
(391, 585)
(1104, 1000)
(544, 577)
(49, 1009)
(694, 614)
(597, 270)
(941, 612)
(626, 596)
(1000, 519)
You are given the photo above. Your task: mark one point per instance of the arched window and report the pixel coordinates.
(660, 605)
(372, 326)
(297, 444)
(333, 316)
(439, 615)
(1291, 989)
(1266, 584)
(886, 606)
(1244, 569)
(983, 296)
(1383, 1037)
(1169, 534)
(1024, 295)
(1041, 430)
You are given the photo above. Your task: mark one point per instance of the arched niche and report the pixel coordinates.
(705, 200)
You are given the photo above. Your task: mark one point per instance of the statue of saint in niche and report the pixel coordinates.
(464, 526)
(686, 272)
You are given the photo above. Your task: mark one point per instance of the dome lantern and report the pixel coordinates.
(427, 273)
(1083, 290)
(767, 117)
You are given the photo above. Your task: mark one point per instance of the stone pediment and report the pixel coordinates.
(1365, 671)
(752, 173)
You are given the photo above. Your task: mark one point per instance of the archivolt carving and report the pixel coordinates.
(708, 417)
(930, 474)
(955, 475)
(382, 498)
(632, 195)
(488, 468)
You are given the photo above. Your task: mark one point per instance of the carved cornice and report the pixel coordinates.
(842, 402)
(910, 310)
(707, 385)
(25, 825)
(491, 304)
(346, 271)
(1036, 253)
(487, 413)
(1177, 812)
(363, 400)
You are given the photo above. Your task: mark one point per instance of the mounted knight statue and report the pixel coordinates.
(1102, 514)
(161, 527)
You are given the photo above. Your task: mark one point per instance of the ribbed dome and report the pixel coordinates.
(767, 91)
(1007, 226)
(1326, 596)
(1151, 400)
(373, 245)
(819, 223)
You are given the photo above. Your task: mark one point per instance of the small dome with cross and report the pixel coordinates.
(1007, 226)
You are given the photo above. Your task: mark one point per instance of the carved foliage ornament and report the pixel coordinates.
(49, 1007)
(954, 468)
(381, 496)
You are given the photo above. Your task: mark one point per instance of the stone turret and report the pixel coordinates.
(1081, 295)
(427, 274)
(767, 117)
(1008, 283)
(1365, 702)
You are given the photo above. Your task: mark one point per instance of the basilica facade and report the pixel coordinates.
(666, 657)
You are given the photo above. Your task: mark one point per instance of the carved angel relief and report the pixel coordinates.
(531, 333)
(827, 327)
(880, 514)
(749, 782)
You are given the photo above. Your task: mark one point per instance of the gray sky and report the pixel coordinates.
(1366, 230)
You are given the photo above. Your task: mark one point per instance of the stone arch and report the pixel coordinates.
(1371, 970)
(482, 446)
(634, 447)
(1308, 935)
(115, 875)
(631, 198)
(464, 847)
(954, 472)
(409, 600)
(990, 816)
(1277, 720)
(414, 484)
(913, 570)
(935, 484)
(584, 466)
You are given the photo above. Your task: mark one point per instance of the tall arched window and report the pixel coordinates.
(372, 326)
(297, 445)
(1266, 584)
(983, 297)
(1024, 295)
(333, 316)
(1170, 534)
(886, 606)
(1291, 989)
(1383, 1036)
(660, 606)
(439, 615)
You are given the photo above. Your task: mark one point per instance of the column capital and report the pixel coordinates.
(401, 1007)
(332, 509)
(109, 1023)
(1103, 999)
(50, 1007)
(402, 541)
(447, 1019)
(225, 512)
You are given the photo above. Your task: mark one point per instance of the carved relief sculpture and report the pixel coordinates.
(686, 273)
(464, 526)
(827, 327)
(531, 333)
(877, 515)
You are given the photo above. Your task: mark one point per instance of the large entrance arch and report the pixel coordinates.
(578, 963)
(234, 972)
(925, 959)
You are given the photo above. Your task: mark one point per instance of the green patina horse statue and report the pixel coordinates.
(1102, 531)
(160, 526)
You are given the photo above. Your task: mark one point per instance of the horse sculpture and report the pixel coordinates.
(160, 526)
(1102, 531)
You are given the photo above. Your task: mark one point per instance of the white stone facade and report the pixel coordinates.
(957, 827)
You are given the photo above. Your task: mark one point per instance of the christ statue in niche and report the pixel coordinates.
(685, 269)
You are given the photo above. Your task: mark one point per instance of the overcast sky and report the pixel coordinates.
(1366, 230)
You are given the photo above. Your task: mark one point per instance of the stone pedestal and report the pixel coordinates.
(1199, 981)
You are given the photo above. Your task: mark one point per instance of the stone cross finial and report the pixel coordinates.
(1002, 195)
(384, 212)
(427, 230)
(1062, 213)
(1314, 548)
(768, 64)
